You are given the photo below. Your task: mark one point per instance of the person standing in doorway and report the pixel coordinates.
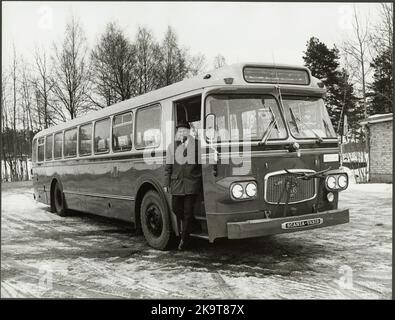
(183, 178)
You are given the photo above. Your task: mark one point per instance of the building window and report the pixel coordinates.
(85, 140)
(58, 144)
(148, 124)
(48, 148)
(70, 143)
(102, 136)
(40, 151)
(122, 132)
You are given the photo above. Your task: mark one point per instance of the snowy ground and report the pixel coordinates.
(43, 255)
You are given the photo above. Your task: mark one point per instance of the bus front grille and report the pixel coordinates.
(300, 190)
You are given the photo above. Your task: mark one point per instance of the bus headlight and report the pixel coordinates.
(251, 189)
(336, 181)
(237, 191)
(243, 190)
(342, 180)
(330, 196)
(331, 182)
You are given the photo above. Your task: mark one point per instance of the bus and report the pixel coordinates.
(269, 156)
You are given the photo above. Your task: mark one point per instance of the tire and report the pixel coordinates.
(59, 202)
(155, 222)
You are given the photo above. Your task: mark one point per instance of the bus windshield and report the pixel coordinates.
(307, 117)
(245, 118)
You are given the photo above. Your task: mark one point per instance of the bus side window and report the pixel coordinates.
(122, 132)
(48, 148)
(148, 124)
(34, 150)
(58, 145)
(102, 136)
(40, 152)
(70, 143)
(85, 143)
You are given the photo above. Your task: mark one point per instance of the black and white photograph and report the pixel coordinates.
(196, 150)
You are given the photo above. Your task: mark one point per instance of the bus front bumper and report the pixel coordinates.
(264, 227)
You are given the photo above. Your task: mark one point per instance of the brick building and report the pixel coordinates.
(380, 145)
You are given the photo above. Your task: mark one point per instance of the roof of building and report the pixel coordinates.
(377, 118)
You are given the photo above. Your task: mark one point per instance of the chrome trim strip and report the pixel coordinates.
(274, 173)
(276, 152)
(138, 160)
(99, 195)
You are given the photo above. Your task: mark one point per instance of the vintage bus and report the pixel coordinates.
(269, 154)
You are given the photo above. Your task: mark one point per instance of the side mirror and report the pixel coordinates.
(210, 127)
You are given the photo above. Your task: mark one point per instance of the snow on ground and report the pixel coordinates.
(84, 256)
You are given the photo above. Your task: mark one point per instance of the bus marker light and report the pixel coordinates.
(228, 80)
(334, 157)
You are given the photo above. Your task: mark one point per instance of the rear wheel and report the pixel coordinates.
(59, 203)
(155, 222)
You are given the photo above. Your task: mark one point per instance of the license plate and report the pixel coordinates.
(301, 223)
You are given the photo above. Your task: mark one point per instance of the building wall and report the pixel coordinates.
(380, 152)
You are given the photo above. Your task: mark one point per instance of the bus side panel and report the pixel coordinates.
(95, 186)
(68, 173)
(133, 173)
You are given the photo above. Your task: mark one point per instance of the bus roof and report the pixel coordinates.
(209, 79)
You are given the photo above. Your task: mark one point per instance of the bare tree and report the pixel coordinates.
(14, 79)
(25, 107)
(381, 36)
(357, 49)
(219, 61)
(70, 81)
(148, 57)
(196, 64)
(5, 141)
(173, 63)
(113, 61)
(43, 86)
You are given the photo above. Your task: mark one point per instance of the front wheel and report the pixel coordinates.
(155, 222)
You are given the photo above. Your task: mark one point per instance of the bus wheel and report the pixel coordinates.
(155, 222)
(59, 202)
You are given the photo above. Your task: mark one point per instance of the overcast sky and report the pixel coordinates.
(239, 31)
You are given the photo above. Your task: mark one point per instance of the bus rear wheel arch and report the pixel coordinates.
(58, 201)
(155, 221)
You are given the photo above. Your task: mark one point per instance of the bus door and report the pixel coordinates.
(189, 110)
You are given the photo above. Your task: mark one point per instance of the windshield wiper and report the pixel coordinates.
(272, 124)
(295, 120)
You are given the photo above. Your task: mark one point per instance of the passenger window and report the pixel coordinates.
(34, 150)
(148, 124)
(40, 149)
(122, 132)
(70, 143)
(48, 148)
(58, 144)
(86, 140)
(102, 136)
